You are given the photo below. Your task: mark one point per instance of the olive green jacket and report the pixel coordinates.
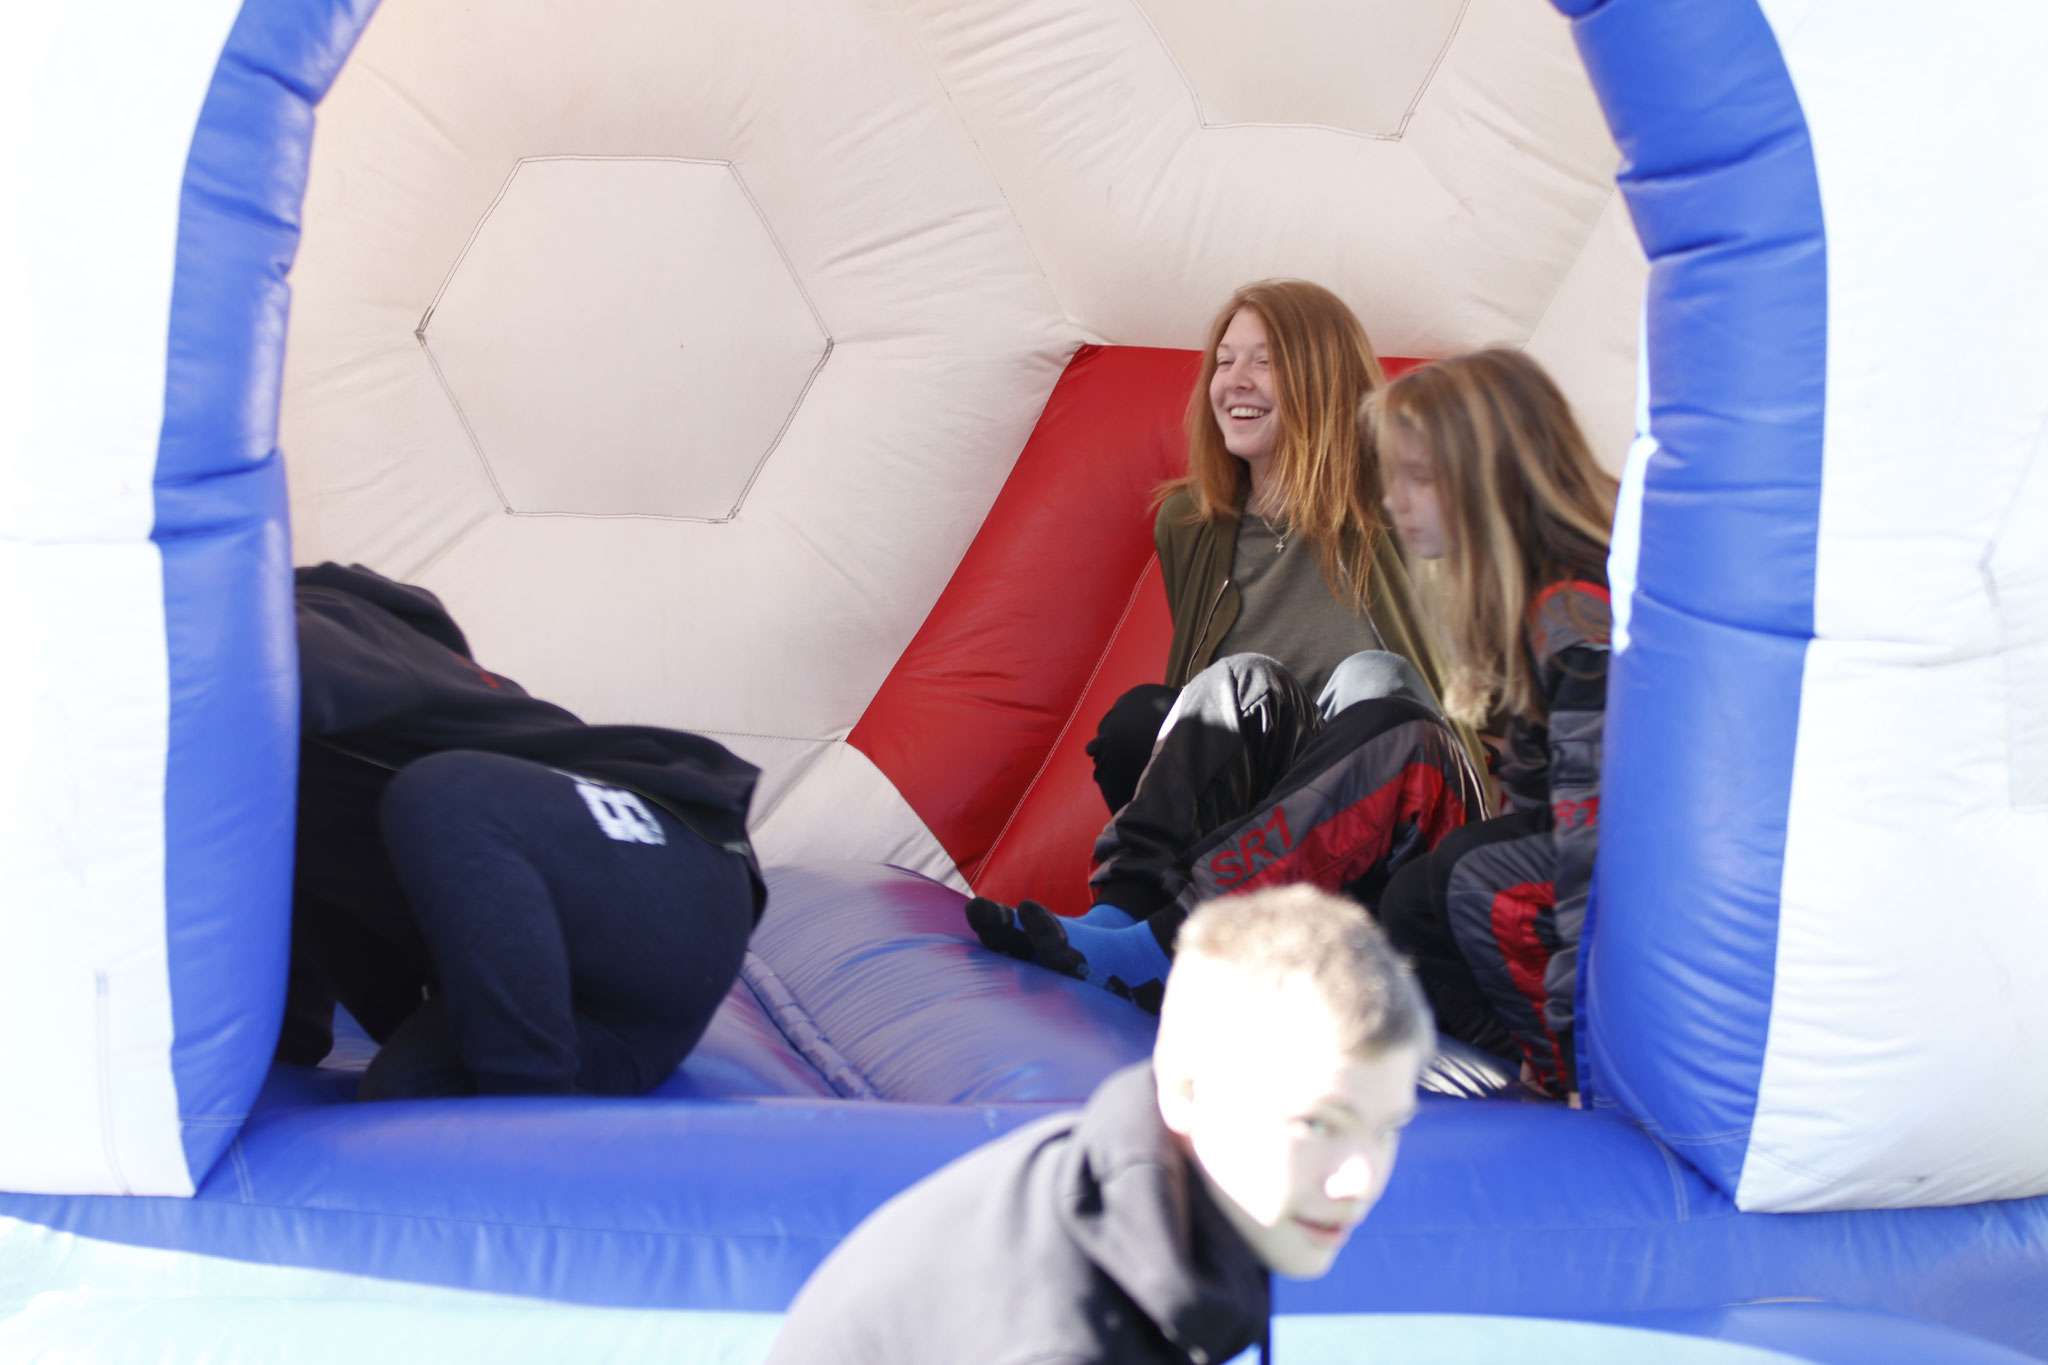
(1196, 559)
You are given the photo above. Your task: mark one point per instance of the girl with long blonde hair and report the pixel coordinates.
(1492, 486)
(1296, 640)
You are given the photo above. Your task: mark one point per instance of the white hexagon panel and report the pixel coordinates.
(622, 336)
(1360, 67)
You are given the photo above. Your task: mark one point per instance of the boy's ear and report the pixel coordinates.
(1177, 1100)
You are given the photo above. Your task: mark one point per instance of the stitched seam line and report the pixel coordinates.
(801, 1031)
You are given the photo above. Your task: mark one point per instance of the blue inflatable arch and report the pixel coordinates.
(1719, 171)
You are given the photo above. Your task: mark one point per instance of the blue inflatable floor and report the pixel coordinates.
(870, 1041)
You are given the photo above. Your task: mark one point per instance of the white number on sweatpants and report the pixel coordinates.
(621, 815)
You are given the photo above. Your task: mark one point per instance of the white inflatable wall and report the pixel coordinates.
(1818, 961)
(92, 218)
(1910, 1014)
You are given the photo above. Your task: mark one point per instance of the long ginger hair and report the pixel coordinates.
(1523, 502)
(1327, 489)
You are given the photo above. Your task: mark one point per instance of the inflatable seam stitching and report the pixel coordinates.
(1681, 1206)
(1620, 1099)
(448, 546)
(801, 1031)
(1565, 278)
(244, 1181)
(1823, 1180)
(988, 167)
(810, 381)
(1723, 623)
(1693, 168)
(1204, 123)
(236, 56)
(110, 1143)
(781, 253)
(1681, 1141)
(222, 200)
(543, 1225)
(2026, 786)
(199, 480)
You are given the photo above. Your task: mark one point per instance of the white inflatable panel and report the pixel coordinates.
(85, 1002)
(867, 227)
(2019, 581)
(623, 337)
(93, 192)
(1589, 333)
(955, 195)
(784, 621)
(847, 809)
(1457, 233)
(1299, 61)
(1911, 1004)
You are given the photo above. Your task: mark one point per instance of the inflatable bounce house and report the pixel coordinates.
(800, 374)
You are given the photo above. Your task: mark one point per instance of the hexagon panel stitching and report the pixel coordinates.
(623, 336)
(1302, 65)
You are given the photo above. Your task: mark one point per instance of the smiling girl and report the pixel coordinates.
(1273, 543)
(1491, 484)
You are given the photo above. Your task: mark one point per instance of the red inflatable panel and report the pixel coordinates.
(1055, 611)
(965, 722)
(1043, 852)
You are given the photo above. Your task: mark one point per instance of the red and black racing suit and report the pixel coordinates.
(1492, 918)
(1253, 784)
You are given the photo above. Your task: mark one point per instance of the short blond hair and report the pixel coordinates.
(1302, 930)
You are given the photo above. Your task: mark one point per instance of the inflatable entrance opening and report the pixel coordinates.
(800, 375)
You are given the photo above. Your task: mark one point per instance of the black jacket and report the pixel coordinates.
(386, 677)
(1555, 762)
(1196, 562)
(1085, 1237)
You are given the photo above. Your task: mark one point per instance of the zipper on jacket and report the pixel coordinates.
(103, 1017)
(355, 754)
(1202, 637)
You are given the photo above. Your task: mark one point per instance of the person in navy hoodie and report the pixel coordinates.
(508, 900)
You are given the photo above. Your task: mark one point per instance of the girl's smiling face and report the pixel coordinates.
(1241, 394)
(1411, 496)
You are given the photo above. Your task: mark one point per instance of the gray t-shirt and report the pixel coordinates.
(1286, 609)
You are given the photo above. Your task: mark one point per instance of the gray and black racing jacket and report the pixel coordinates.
(1557, 763)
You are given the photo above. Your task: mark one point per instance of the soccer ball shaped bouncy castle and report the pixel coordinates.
(782, 375)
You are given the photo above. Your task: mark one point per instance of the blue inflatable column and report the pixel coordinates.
(148, 747)
(1704, 694)
(1818, 964)
(222, 528)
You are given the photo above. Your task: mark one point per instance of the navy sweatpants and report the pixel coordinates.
(576, 936)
